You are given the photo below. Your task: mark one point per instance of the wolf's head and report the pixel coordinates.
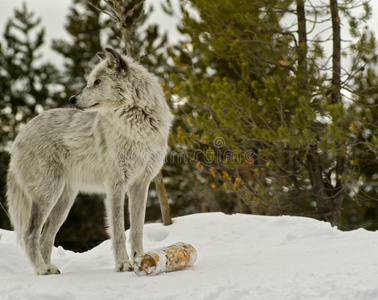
(117, 81)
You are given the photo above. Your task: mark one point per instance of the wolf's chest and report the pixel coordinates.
(132, 160)
(128, 145)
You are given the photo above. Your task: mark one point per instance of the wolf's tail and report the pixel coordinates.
(19, 206)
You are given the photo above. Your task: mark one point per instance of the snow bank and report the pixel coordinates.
(239, 257)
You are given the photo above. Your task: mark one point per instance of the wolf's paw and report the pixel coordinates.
(47, 270)
(124, 266)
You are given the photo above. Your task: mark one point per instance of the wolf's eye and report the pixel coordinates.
(97, 81)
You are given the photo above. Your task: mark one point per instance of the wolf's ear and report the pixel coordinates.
(101, 55)
(116, 60)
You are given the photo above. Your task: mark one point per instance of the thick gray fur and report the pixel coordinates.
(114, 141)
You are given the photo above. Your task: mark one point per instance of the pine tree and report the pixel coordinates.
(264, 104)
(361, 209)
(27, 84)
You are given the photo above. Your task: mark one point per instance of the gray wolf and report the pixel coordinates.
(113, 141)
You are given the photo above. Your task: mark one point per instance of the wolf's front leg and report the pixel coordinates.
(137, 207)
(115, 211)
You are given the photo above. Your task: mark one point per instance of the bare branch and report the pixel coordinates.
(103, 11)
(113, 9)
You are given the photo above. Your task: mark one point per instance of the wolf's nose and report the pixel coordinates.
(72, 100)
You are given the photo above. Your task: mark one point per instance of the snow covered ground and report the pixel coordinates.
(239, 257)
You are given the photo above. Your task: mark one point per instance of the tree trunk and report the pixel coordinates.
(328, 198)
(336, 56)
(338, 191)
(314, 163)
(302, 36)
(315, 170)
(163, 199)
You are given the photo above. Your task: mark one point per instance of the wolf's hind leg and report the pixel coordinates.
(55, 220)
(40, 210)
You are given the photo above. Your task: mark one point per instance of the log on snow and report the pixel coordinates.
(165, 259)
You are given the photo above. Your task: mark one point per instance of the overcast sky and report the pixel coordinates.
(53, 14)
